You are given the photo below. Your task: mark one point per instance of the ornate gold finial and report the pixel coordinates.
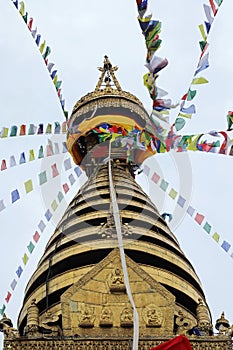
(222, 323)
(107, 72)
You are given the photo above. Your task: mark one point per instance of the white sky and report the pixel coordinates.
(80, 34)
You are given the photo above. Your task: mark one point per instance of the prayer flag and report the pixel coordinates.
(207, 10)
(16, 3)
(31, 155)
(13, 284)
(41, 152)
(54, 170)
(202, 30)
(2, 310)
(36, 236)
(78, 171)
(67, 164)
(15, 196)
(25, 17)
(41, 225)
(42, 178)
(164, 185)
(30, 24)
(72, 179)
(8, 297)
(207, 227)
(189, 110)
(28, 186)
(200, 80)
(226, 246)
(191, 94)
(25, 259)
(181, 201)
(2, 205)
(190, 210)
(3, 165)
(179, 123)
(146, 170)
(173, 193)
(155, 178)
(50, 67)
(22, 159)
(32, 129)
(19, 271)
(60, 197)
(65, 187)
(208, 27)
(54, 205)
(48, 215)
(216, 237)
(57, 128)
(30, 247)
(22, 8)
(13, 131)
(38, 39)
(42, 46)
(47, 52)
(199, 218)
(48, 129)
(4, 132)
(40, 129)
(64, 147)
(213, 7)
(218, 2)
(34, 32)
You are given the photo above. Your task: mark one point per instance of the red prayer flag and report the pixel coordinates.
(65, 188)
(199, 218)
(3, 165)
(22, 130)
(8, 297)
(184, 97)
(214, 9)
(36, 236)
(54, 170)
(178, 343)
(155, 178)
(30, 24)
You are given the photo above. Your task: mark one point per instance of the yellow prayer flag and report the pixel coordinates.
(202, 30)
(25, 259)
(28, 186)
(54, 205)
(185, 115)
(216, 237)
(42, 46)
(173, 193)
(31, 155)
(55, 80)
(200, 80)
(22, 8)
(193, 144)
(4, 132)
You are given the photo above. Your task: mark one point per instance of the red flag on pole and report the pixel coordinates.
(178, 343)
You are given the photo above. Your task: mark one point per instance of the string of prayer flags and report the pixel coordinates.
(151, 30)
(44, 49)
(33, 130)
(203, 63)
(199, 218)
(30, 247)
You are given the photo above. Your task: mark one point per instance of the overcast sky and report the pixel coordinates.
(80, 33)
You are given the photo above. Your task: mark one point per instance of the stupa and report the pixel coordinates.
(112, 275)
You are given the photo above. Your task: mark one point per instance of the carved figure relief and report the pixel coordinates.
(50, 325)
(127, 317)
(87, 318)
(106, 319)
(152, 316)
(117, 282)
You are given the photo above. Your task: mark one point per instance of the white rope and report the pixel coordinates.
(117, 220)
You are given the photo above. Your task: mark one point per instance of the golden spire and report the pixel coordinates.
(107, 72)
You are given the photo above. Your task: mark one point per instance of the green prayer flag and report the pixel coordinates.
(30, 247)
(164, 185)
(41, 152)
(58, 84)
(202, 45)
(42, 178)
(47, 52)
(173, 193)
(60, 197)
(207, 227)
(54, 205)
(179, 123)
(218, 2)
(25, 17)
(13, 130)
(216, 237)
(28, 186)
(2, 310)
(191, 94)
